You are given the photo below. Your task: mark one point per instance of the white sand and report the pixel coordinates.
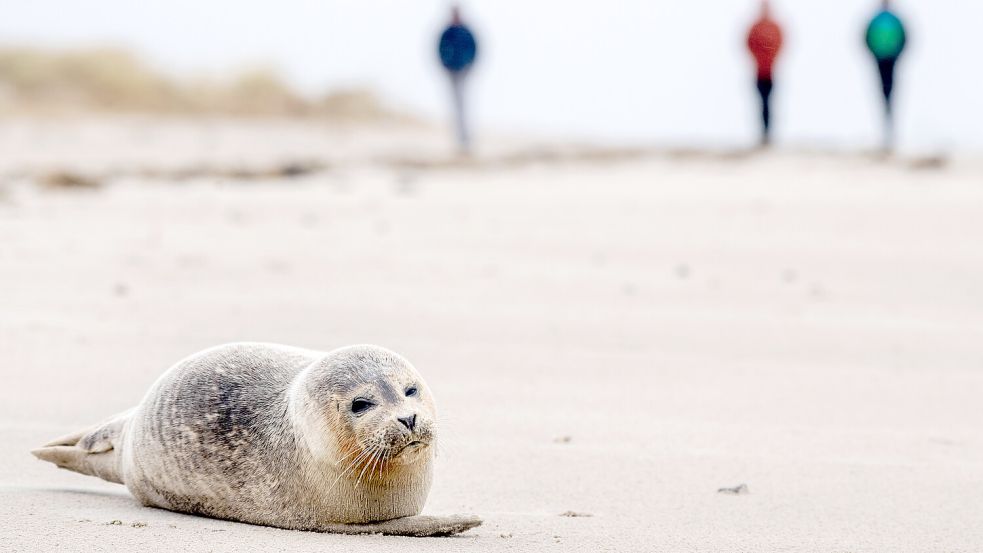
(810, 326)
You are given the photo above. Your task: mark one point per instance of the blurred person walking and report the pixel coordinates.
(457, 50)
(886, 40)
(764, 41)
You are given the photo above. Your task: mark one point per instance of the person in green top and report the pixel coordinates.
(886, 40)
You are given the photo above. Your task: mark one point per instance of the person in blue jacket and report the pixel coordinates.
(457, 49)
(886, 40)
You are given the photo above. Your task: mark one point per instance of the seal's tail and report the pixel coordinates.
(93, 451)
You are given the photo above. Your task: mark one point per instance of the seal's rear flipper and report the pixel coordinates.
(91, 451)
(420, 526)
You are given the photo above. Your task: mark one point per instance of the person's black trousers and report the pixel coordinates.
(764, 89)
(886, 67)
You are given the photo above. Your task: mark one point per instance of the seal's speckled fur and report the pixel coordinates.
(266, 434)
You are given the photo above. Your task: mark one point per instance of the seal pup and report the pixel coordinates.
(266, 434)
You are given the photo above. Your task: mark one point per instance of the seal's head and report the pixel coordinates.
(369, 406)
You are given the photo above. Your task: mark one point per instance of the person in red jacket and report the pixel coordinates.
(765, 40)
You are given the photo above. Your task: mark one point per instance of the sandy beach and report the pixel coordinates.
(610, 334)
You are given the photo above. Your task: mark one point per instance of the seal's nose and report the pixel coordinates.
(409, 422)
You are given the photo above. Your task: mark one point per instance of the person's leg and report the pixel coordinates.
(457, 85)
(764, 89)
(886, 68)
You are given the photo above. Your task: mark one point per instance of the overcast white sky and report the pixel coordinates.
(655, 71)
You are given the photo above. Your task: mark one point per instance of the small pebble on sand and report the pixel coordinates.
(740, 489)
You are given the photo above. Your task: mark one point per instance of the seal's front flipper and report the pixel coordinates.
(420, 526)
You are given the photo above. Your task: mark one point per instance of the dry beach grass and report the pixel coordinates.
(113, 80)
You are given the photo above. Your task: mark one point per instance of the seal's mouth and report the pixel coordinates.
(411, 447)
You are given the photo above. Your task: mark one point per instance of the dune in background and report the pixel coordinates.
(112, 80)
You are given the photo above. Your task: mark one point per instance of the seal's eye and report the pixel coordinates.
(360, 405)
(411, 391)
